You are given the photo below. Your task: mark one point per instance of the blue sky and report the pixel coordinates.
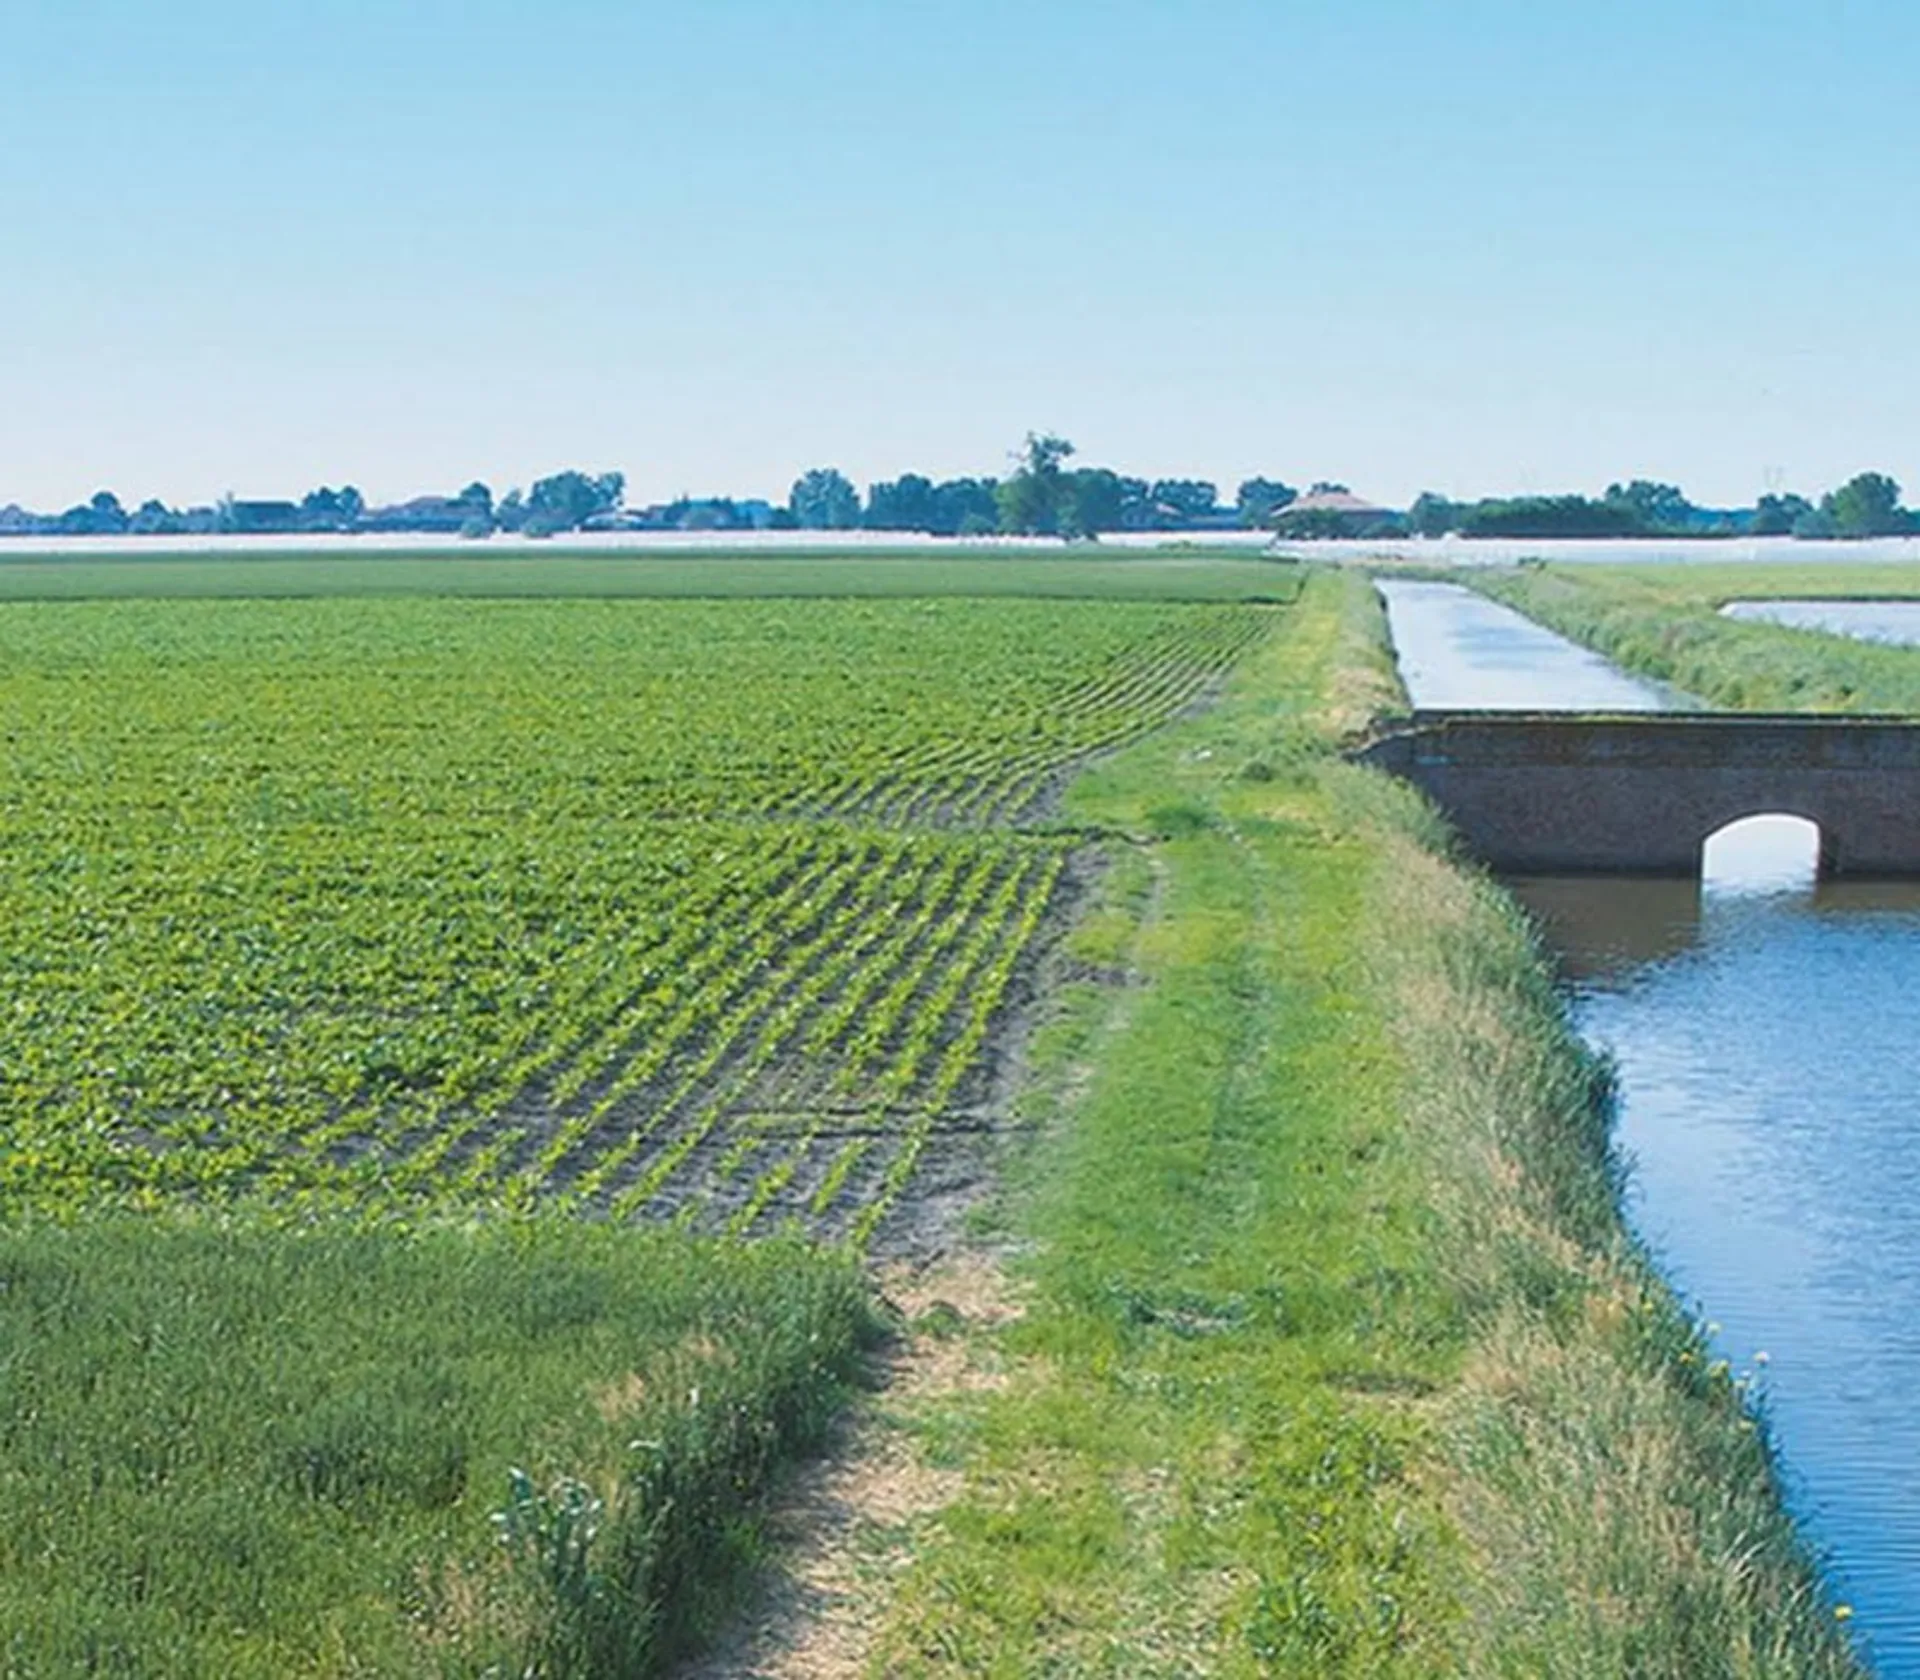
(1474, 247)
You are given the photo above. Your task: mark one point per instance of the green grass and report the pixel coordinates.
(229, 1449)
(1338, 1359)
(1180, 572)
(1664, 621)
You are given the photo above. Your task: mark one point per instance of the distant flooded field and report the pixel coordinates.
(1865, 621)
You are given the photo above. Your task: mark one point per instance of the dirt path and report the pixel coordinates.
(847, 1523)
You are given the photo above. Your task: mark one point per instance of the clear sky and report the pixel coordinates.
(1478, 246)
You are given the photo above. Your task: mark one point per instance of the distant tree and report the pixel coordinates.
(1776, 516)
(906, 504)
(1302, 519)
(825, 500)
(1259, 499)
(1432, 515)
(154, 519)
(1657, 507)
(1328, 487)
(1549, 516)
(478, 498)
(965, 507)
(1867, 505)
(1092, 500)
(511, 512)
(101, 516)
(1029, 506)
(332, 510)
(1031, 501)
(568, 500)
(1186, 499)
(1136, 504)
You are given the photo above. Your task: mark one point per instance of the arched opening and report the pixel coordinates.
(1768, 853)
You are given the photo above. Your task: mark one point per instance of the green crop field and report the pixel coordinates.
(344, 935)
(692, 909)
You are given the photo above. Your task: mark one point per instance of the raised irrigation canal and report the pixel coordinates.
(1764, 1024)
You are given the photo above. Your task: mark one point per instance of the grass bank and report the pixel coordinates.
(1665, 622)
(527, 1451)
(1338, 1359)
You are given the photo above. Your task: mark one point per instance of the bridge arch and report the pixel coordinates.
(1765, 851)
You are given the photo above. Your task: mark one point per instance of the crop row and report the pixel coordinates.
(985, 784)
(642, 908)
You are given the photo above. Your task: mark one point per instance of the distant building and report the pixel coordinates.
(1335, 514)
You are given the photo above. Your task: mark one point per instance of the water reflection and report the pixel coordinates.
(1602, 927)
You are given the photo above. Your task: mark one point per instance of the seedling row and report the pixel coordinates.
(712, 912)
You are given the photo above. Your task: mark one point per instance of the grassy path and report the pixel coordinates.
(1335, 1359)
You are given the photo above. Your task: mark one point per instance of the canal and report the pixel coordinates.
(1765, 1030)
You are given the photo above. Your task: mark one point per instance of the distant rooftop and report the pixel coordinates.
(1328, 501)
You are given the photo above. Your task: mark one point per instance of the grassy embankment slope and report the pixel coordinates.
(1338, 1360)
(1665, 621)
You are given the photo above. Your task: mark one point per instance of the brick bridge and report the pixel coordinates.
(1544, 793)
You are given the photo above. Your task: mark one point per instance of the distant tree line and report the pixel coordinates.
(1867, 505)
(1043, 495)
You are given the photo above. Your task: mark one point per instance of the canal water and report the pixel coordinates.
(1765, 1028)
